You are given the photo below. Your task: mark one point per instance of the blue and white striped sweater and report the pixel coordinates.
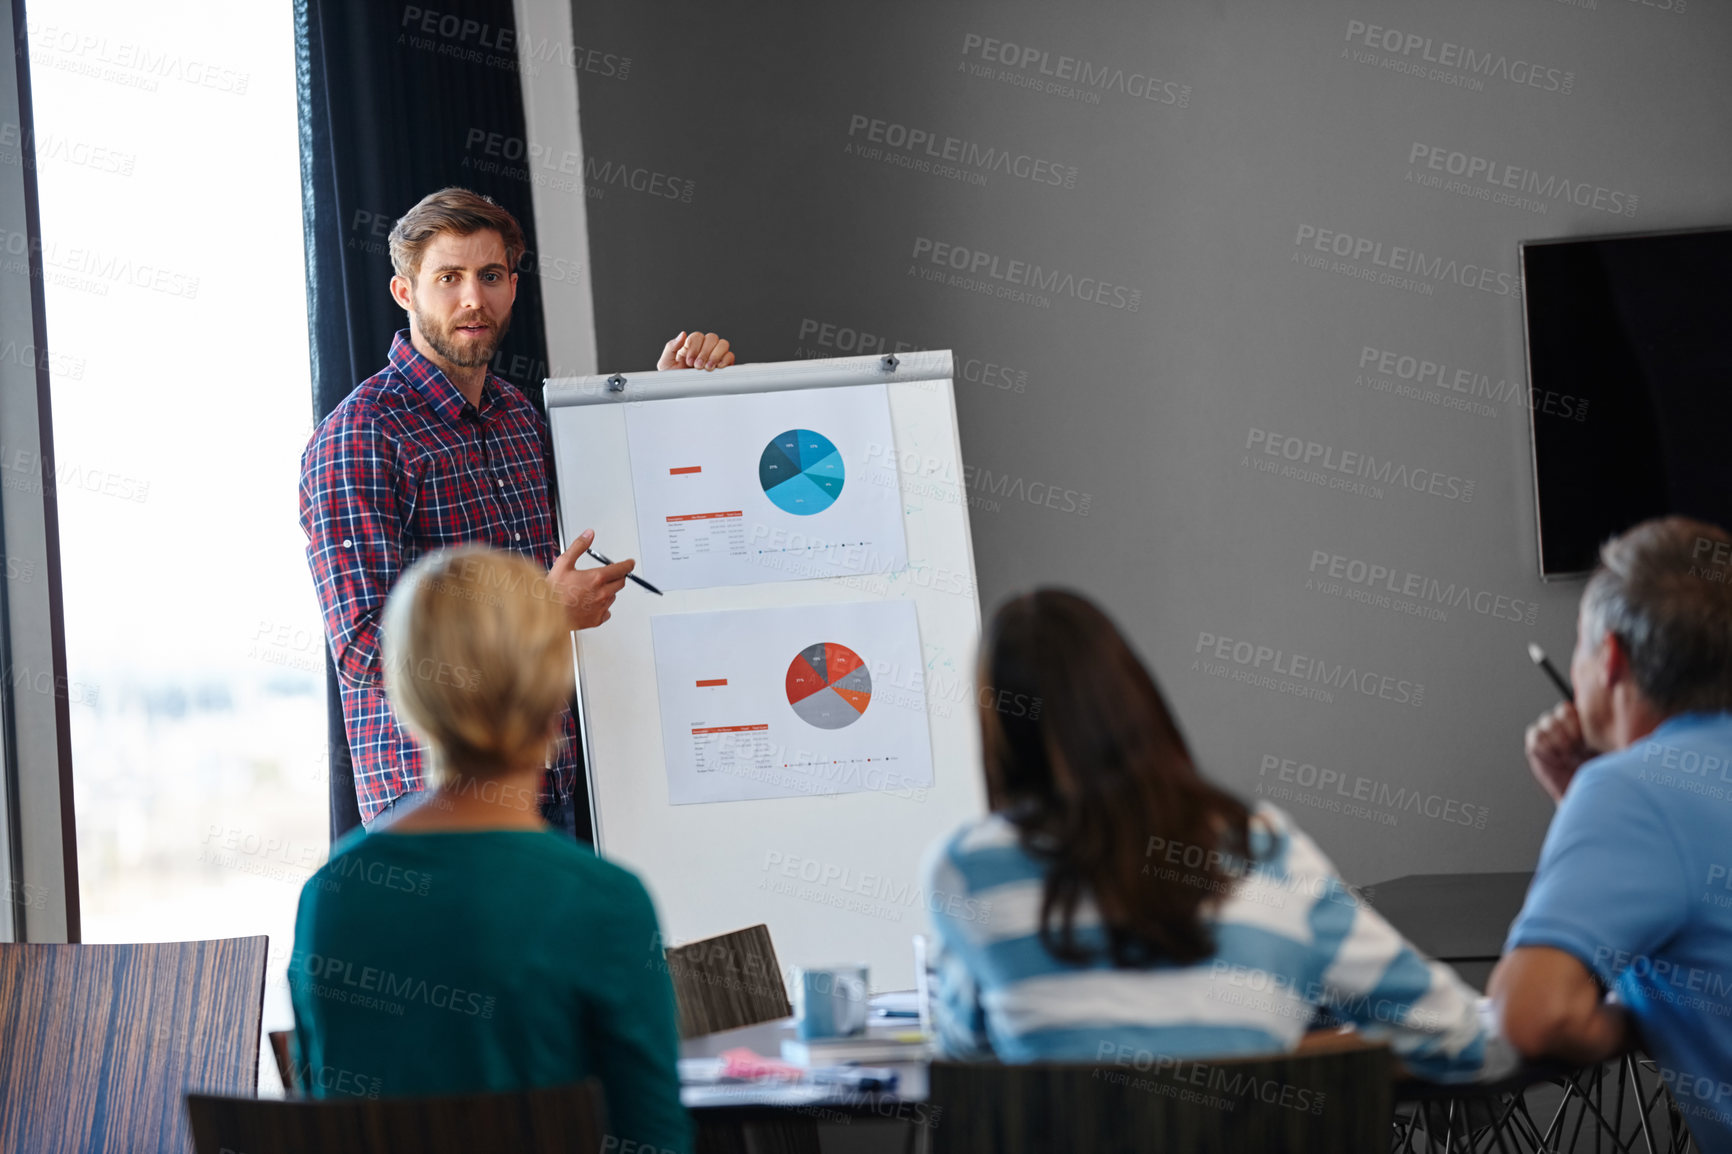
(1290, 939)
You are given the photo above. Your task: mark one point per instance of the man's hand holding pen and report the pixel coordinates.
(588, 593)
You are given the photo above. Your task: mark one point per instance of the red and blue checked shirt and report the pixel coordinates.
(403, 466)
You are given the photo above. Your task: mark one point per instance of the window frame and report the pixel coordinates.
(38, 842)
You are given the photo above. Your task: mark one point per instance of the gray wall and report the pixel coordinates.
(1183, 176)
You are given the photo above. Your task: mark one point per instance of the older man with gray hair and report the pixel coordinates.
(1626, 935)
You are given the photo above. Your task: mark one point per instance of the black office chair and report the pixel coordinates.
(556, 1120)
(1619, 1106)
(1336, 1100)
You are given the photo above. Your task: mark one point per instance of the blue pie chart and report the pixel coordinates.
(801, 472)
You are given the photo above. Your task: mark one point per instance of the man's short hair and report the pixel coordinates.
(455, 210)
(1664, 590)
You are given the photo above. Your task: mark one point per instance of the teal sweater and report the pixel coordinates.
(455, 962)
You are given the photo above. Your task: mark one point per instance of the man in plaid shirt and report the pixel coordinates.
(435, 451)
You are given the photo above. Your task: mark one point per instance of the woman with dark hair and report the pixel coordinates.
(1116, 901)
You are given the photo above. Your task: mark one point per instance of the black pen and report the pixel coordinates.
(1539, 658)
(629, 576)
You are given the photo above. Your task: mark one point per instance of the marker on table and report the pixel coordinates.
(629, 576)
(1539, 658)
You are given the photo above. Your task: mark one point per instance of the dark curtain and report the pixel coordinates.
(395, 102)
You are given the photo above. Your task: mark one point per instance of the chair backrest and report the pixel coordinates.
(561, 1118)
(283, 1053)
(728, 981)
(98, 1043)
(1130, 1101)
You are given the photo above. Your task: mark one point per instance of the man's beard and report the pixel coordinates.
(464, 352)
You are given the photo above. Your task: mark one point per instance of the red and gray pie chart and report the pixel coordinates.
(829, 685)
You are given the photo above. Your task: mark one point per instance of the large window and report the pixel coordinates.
(168, 169)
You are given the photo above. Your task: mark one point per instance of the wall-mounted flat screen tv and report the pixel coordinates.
(1629, 349)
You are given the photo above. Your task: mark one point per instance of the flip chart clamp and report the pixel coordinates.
(616, 384)
(889, 363)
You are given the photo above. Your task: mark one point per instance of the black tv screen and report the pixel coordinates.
(1629, 343)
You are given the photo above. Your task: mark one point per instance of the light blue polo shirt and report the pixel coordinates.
(1635, 880)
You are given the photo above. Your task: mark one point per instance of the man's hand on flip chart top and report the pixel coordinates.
(696, 351)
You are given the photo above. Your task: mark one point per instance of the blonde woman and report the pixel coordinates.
(464, 946)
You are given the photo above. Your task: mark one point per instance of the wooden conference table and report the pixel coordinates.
(760, 1099)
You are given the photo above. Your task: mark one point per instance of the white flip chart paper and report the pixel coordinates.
(745, 489)
(792, 702)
